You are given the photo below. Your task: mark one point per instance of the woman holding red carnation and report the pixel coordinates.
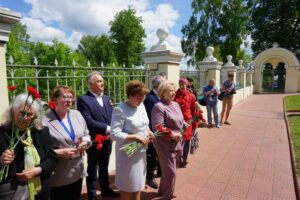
(130, 123)
(187, 103)
(70, 136)
(31, 162)
(167, 113)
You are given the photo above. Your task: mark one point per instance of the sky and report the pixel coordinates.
(69, 20)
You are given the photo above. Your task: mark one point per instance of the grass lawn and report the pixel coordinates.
(294, 124)
(292, 102)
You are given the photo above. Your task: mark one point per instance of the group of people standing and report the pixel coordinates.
(138, 119)
(63, 135)
(211, 95)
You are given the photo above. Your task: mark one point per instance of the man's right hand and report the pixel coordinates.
(7, 157)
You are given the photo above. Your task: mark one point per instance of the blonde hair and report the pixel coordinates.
(164, 86)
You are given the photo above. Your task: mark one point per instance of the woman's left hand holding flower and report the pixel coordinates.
(28, 174)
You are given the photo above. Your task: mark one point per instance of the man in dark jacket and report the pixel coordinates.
(96, 109)
(152, 161)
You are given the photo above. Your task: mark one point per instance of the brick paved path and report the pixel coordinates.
(248, 160)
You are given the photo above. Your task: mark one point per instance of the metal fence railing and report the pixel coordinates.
(45, 78)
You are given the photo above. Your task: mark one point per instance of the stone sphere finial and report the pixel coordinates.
(229, 61)
(210, 57)
(229, 58)
(275, 45)
(241, 62)
(162, 44)
(210, 50)
(162, 34)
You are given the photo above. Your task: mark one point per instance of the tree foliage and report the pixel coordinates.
(221, 24)
(127, 35)
(47, 53)
(19, 45)
(97, 49)
(275, 21)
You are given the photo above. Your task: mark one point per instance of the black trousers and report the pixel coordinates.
(67, 192)
(98, 160)
(152, 162)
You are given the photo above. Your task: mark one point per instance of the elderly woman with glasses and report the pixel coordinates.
(70, 137)
(32, 161)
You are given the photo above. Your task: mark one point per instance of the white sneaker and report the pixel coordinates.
(217, 126)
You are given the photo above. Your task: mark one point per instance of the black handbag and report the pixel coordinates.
(221, 96)
(202, 102)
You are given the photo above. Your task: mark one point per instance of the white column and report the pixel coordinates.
(7, 18)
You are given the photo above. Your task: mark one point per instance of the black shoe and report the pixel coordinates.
(183, 164)
(152, 183)
(110, 193)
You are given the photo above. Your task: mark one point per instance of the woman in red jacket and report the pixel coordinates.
(186, 101)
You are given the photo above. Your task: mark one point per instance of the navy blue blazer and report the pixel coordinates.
(149, 102)
(97, 118)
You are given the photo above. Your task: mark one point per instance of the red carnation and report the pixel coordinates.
(32, 90)
(12, 87)
(37, 95)
(163, 131)
(99, 140)
(51, 105)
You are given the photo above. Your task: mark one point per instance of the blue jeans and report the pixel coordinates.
(212, 107)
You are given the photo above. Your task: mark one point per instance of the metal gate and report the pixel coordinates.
(274, 79)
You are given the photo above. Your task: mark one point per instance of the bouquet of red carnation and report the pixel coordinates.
(163, 132)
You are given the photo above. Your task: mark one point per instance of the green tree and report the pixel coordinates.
(19, 45)
(46, 54)
(233, 28)
(221, 24)
(275, 21)
(97, 49)
(127, 34)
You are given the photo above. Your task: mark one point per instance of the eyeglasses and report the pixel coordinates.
(67, 96)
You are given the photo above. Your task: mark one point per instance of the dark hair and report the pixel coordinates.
(189, 79)
(136, 87)
(57, 91)
(230, 75)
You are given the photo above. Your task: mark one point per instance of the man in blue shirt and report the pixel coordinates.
(211, 93)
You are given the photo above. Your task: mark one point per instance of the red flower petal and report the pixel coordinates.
(51, 105)
(37, 95)
(31, 90)
(12, 87)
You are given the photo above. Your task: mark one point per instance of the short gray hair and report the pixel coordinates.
(156, 80)
(7, 117)
(90, 75)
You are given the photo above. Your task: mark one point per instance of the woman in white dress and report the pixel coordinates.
(130, 123)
